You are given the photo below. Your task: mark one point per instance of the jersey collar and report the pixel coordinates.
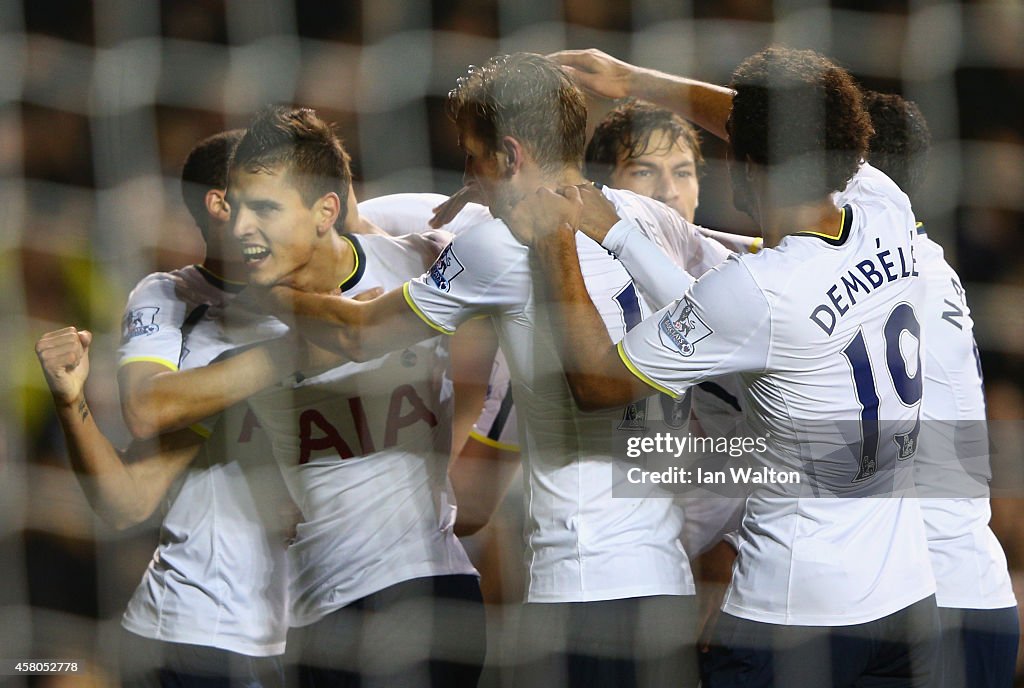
(360, 266)
(219, 282)
(838, 239)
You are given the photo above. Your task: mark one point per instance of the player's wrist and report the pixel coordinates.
(644, 83)
(70, 404)
(554, 241)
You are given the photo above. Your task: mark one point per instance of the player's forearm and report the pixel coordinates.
(588, 354)
(704, 104)
(172, 400)
(360, 330)
(659, 279)
(103, 477)
(331, 322)
(738, 243)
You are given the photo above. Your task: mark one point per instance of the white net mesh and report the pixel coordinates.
(100, 102)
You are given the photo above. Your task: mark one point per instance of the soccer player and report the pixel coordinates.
(650, 151)
(824, 329)
(978, 621)
(210, 609)
(396, 560)
(381, 588)
(654, 152)
(977, 607)
(603, 573)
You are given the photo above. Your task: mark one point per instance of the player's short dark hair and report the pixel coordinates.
(528, 97)
(205, 168)
(901, 141)
(797, 113)
(626, 131)
(316, 159)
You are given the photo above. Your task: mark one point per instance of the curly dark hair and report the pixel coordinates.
(205, 168)
(626, 131)
(901, 141)
(798, 113)
(317, 161)
(528, 97)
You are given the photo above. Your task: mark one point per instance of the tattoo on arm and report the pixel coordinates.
(83, 410)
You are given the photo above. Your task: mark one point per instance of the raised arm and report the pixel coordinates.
(704, 104)
(156, 398)
(121, 494)
(597, 377)
(360, 330)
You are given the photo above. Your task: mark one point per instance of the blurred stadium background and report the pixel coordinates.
(100, 102)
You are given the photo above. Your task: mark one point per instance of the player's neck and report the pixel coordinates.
(227, 270)
(567, 176)
(354, 222)
(820, 217)
(330, 264)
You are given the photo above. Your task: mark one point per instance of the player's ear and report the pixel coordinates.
(512, 150)
(217, 205)
(327, 210)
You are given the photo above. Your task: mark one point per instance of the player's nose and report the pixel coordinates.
(242, 223)
(666, 190)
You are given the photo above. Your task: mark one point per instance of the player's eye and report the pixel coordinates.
(263, 209)
(640, 173)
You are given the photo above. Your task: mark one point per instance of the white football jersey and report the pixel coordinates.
(660, 259)
(825, 334)
(363, 448)
(581, 543)
(410, 213)
(218, 577)
(968, 562)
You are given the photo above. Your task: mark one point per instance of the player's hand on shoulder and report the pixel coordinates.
(446, 212)
(598, 72)
(598, 214)
(543, 213)
(64, 357)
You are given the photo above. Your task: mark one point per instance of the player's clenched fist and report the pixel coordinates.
(597, 214)
(64, 357)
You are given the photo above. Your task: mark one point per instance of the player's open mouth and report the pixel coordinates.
(254, 254)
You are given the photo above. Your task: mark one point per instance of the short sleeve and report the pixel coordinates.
(153, 318)
(722, 325)
(484, 271)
